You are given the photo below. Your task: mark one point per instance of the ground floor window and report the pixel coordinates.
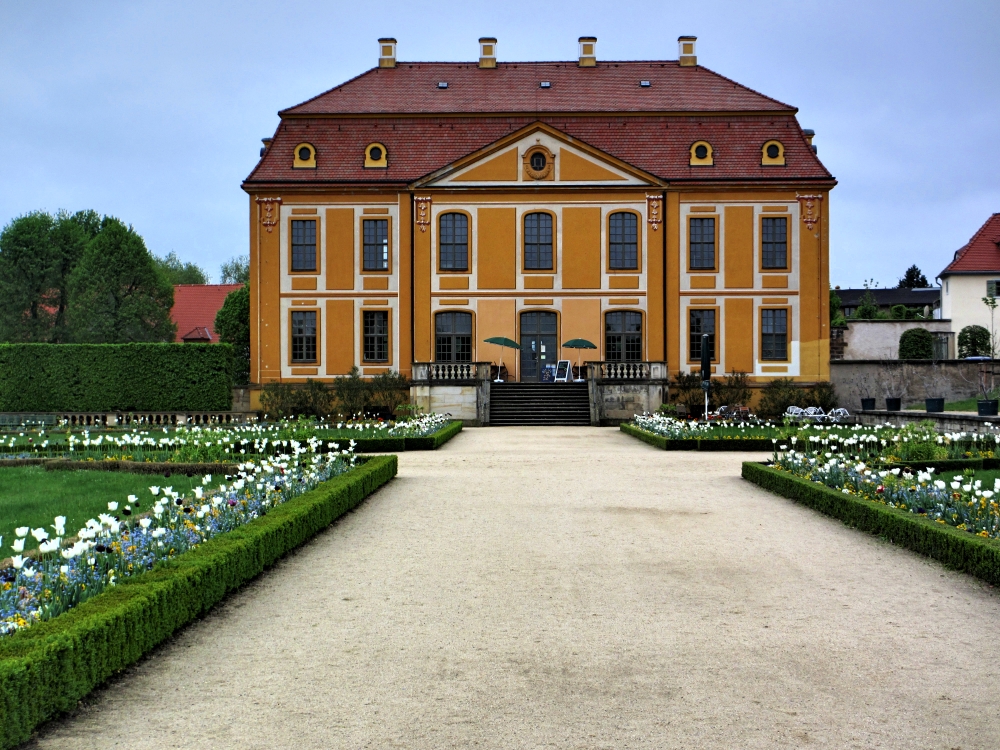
(774, 334)
(304, 336)
(453, 332)
(701, 321)
(376, 335)
(623, 336)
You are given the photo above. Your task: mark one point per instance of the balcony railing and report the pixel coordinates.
(444, 372)
(627, 370)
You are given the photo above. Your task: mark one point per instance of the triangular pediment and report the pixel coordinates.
(567, 162)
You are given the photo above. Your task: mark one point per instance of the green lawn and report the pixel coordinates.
(31, 496)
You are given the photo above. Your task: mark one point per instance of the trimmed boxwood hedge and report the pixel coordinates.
(956, 549)
(427, 443)
(695, 444)
(47, 668)
(115, 377)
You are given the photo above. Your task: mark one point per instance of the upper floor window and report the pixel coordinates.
(376, 335)
(623, 336)
(991, 287)
(453, 337)
(304, 336)
(454, 242)
(774, 334)
(702, 241)
(623, 250)
(774, 250)
(376, 244)
(701, 322)
(304, 245)
(538, 241)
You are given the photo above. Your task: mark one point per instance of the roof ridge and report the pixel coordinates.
(960, 253)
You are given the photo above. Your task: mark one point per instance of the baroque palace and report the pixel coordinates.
(410, 213)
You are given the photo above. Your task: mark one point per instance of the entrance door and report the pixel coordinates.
(539, 350)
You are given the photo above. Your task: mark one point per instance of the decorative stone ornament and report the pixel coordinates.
(422, 204)
(809, 206)
(654, 210)
(268, 212)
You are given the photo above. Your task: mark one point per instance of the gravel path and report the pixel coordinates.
(573, 588)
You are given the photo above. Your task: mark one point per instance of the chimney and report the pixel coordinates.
(810, 134)
(685, 50)
(387, 53)
(487, 52)
(588, 51)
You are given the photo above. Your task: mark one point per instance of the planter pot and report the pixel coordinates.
(867, 404)
(934, 404)
(894, 404)
(988, 408)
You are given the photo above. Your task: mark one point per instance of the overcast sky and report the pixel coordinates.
(153, 112)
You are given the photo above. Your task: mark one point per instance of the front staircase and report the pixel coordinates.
(539, 404)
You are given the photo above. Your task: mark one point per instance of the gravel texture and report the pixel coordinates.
(572, 588)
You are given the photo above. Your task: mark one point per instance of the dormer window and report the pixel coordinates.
(442, 84)
(545, 84)
(772, 154)
(644, 84)
(375, 156)
(304, 156)
(701, 154)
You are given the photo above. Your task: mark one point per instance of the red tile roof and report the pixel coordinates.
(412, 88)
(981, 254)
(195, 306)
(416, 147)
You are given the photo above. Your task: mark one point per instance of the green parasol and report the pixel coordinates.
(579, 344)
(501, 341)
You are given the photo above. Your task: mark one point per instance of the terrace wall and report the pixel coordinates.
(913, 381)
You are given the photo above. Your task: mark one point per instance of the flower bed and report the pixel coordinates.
(706, 443)
(227, 444)
(971, 553)
(47, 668)
(111, 548)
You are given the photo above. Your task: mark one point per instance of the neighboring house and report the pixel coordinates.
(973, 273)
(419, 208)
(195, 306)
(928, 301)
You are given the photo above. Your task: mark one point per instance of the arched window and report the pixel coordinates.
(453, 337)
(538, 241)
(623, 336)
(623, 247)
(453, 245)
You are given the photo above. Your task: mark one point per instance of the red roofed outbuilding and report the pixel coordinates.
(973, 273)
(195, 306)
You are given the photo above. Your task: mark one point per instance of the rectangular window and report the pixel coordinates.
(702, 243)
(304, 245)
(991, 287)
(376, 244)
(538, 242)
(304, 336)
(774, 334)
(623, 248)
(774, 249)
(453, 337)
(454, 242)
(701, 321)
(623, 336)
(376, 335)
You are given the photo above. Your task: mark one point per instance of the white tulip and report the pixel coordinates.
(23, 530)
(18, 545)
(112, 506)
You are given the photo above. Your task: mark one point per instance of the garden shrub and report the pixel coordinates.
(687, 392)
(733, 390)
(822, 394)
(955, 548)
(778, 395)
(47, 668)
(232, 323)
(916, 343)
(973, 341)
(115, 377)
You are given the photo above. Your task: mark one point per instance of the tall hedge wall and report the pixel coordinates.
(110, 377)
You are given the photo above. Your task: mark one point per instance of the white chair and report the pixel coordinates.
(794, 411)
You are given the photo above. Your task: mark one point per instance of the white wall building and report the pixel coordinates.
(974, 273)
